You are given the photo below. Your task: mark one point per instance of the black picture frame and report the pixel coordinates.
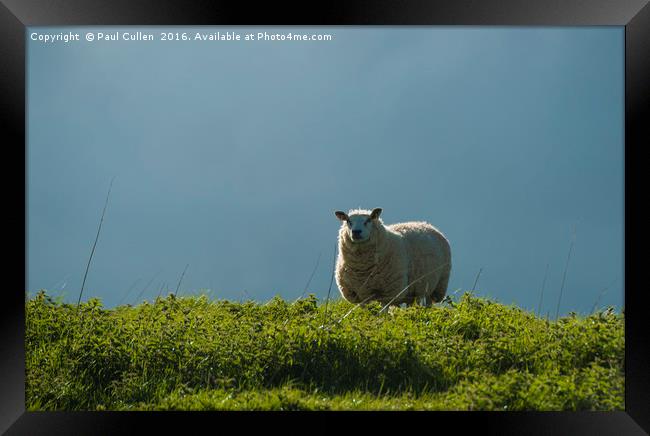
(17, 15)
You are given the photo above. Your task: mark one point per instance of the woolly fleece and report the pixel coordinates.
(393, 257)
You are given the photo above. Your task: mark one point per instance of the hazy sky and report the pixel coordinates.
(231, 156)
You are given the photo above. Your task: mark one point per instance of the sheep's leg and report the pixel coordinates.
(427, 297)
(440, 291)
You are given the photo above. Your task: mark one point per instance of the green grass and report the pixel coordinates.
(191, 353)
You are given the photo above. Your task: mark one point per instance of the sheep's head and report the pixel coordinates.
(359, 224)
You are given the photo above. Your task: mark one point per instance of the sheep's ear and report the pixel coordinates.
(375, 213)
(341, 215)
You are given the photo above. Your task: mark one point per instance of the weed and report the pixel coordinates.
(193, 353)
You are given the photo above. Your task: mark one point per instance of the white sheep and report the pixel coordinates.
(378, 262)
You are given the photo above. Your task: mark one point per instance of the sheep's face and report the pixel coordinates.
(359, 226)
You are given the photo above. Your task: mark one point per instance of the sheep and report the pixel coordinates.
(378, 262)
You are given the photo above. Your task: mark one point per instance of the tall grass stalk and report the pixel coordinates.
(329, 290)
(92, 252)
(476, 280)
(147, 287)
(128, 291)
(566, 268)
(311, 276)
(600, 294)
(162, 286)
(181, 279)
(353, 309)
(363, 285)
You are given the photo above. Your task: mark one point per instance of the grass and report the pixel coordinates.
(192, 353)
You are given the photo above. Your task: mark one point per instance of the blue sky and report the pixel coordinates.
(232, 157)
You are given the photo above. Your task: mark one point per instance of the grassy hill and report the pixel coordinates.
(191, 353)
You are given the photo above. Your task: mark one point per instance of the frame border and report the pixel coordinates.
(17, 15)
